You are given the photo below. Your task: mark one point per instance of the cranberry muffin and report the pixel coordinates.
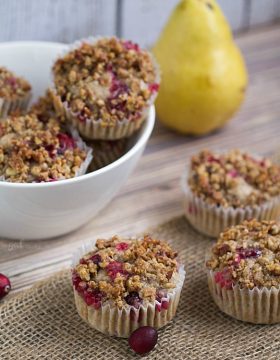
(244, 272)
(123, 284)
(31, 151)
(221, 190)
(15, 93)
(106, 86)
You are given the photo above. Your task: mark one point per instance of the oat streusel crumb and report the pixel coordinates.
(31, 151)
(12, 86)
(247, 255)
(109, 80)
(234, 179)
(126, 272)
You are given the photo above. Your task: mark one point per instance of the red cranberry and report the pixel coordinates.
(133, 299)
(165, 305)
(5, 285)
(96, 259)
(158, 307)
(51, 150)
(154, 87)
(65, 142)
(224, 278)
(129, 45)
(233, 173)
(12, 81)
(114, 268)
(245, 253)
(160, 294)
(93, 298)
(122, 246)
(143, 340)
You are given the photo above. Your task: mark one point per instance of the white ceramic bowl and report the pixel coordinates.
(44, 210)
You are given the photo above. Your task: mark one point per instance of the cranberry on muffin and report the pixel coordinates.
(106, 86)
(123, 284)
(224, 189)
(244, 271)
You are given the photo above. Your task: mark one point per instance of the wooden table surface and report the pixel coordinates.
(152, 194)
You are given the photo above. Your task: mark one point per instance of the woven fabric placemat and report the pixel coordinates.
(42, 323)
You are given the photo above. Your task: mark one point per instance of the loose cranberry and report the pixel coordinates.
(133, 299)
(224, 278)
(65, 142)
(246, 253)
(154, 87)
(114, 268)
(122, 246)
(143, 340)
(5, 285)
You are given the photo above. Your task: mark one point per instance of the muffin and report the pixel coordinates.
(221, 190)
(244, 272)
(106, 86)
(106, 152)
(15, 92)
(46, 110)
(31, 151)
(123, 284)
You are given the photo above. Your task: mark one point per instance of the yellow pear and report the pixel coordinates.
(204, 77)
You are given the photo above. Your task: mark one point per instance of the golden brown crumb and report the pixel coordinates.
(248, 255)
(109, 81)
(234, 179)
(129, 271)
(12, 86)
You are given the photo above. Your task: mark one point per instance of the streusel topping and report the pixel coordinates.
(247, 255)
(45, 109)
(110, 80)
(31, 151)
(12, 86)
(234, 179)
(126, 272)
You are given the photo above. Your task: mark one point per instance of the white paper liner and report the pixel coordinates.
(257, 305)
(94, 129)
(211, 220)
(111, 320)
(8, 106)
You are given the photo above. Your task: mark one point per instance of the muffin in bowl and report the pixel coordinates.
(15, 92)
(244, 272)
(223, 189)
(125, 283)
(106, 86)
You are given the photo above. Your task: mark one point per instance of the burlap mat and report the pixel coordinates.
(42, 322)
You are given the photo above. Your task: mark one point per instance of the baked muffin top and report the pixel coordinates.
(12, 86)
(247, 255)
(127, 272)
(109, 80)
(45, 110)
(31, 151)
(235, 179)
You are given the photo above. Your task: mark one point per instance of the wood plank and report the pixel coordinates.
(152, 194)
(264, 11)
(59, 20)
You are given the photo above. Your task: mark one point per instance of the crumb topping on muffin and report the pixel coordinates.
(126, 272)
(247, 255)
(234, 179)
(12, 86)
(46, 111)
(31, 151)
(109, 80)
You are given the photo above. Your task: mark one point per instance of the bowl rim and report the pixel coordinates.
(143, 138)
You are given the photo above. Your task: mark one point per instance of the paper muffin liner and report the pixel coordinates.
(8, 106)
(211, 220)
(107, 156)
(83, 146)
(111, 320)
(257, 305)
(94, 129)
